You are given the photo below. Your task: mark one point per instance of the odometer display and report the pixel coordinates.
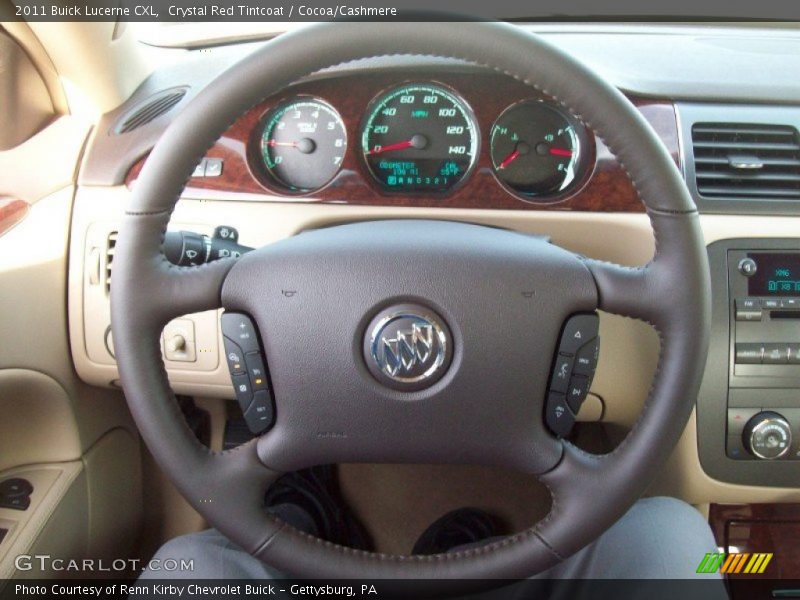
(419, 138)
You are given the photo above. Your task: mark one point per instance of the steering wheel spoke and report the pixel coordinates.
(156, 288)
(626, 291)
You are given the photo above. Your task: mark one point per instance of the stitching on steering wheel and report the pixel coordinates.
(507, 541)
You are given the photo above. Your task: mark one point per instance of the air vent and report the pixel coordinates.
(111, 244)
(154, 107)
(738, 160)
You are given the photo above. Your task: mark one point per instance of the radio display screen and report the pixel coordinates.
(777, 274)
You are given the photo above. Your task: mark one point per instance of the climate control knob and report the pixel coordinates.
(767, 435)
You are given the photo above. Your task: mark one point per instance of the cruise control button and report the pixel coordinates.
(586, 358)
(775, 354)
(578, 330)
(240, 329)
(243, 390)
(558, 416)
(15, 487)
(256, 371)
(260, 415)
(234, 357)
(749, 354)
(561, 374)
(576, 392)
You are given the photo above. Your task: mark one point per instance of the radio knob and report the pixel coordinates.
(767, 435)
(748, 267)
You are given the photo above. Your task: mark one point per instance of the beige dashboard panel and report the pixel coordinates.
(38, 424)
(630, 348)
(98, 210)
(26, 101)
(45, 163)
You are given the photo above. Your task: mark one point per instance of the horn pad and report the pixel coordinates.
(410, 341)
(408, 347)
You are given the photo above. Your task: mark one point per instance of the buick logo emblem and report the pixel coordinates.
(407, 347)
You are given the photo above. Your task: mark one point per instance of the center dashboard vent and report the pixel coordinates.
(739, 160)
(154, 107)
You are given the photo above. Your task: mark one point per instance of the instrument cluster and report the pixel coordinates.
(423, 138)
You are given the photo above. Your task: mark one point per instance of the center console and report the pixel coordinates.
(749, 404)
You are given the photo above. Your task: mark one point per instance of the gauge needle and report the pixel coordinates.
(418, 141)
(520, 149)
(509, 159)
(560, 152)
(306, 145)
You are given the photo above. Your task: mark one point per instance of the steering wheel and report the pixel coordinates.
(493, 344)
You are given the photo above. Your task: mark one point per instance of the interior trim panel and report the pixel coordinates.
(602, 186)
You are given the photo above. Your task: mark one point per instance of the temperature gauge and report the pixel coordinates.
(536, 149)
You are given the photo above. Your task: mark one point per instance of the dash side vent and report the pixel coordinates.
(746, 161)
(154, 107)
(110, 247)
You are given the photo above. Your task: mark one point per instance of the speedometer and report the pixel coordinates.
(419, 138)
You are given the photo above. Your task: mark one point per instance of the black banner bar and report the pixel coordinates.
(176, 11)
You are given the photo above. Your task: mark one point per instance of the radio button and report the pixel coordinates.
(748, 309)
(749, 354)
(771, 303)
(790, 303)
(794, 354)
(775, 354)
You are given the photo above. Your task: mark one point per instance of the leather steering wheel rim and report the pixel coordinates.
(589, 492)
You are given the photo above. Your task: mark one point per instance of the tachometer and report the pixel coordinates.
(419, 138)
(303, 144)
(536, 149)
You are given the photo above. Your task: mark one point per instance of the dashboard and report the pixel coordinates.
(420, 137)
(460, 138)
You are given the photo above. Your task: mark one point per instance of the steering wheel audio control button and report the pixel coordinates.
(261, 414)
(240, 329)
(562, 372)
(558, 416)
(576, 392)
(586, 358)
(578, 330)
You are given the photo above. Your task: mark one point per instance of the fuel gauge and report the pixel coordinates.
(536, 149)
